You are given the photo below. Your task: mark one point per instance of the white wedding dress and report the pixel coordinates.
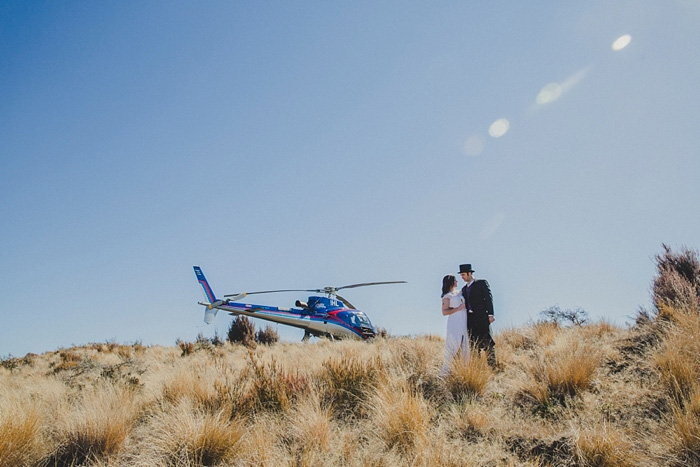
(456, 340)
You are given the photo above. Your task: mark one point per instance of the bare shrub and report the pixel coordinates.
(267, 336)
(217, 340)
(187, 348)
(242, 331)
(678, 279)
(556, 315)
(204, 343)
(382, 333)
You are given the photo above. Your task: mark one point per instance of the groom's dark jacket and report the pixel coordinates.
(478, 299)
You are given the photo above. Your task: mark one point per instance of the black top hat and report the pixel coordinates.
(465, 268)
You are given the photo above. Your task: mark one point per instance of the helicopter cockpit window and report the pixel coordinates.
(356, 319)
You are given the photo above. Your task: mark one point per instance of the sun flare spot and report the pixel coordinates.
(499, 128)
(549, 93)
(474, 145)
(621, 42)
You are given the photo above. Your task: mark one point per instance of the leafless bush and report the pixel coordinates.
(267, 336)
(187, 348)
(556, 315)
(242, 331)
(678, 280)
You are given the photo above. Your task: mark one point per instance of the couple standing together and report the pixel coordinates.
(469, 316)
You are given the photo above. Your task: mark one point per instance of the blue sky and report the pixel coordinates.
(306, 144)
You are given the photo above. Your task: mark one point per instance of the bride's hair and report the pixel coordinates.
(448, 282)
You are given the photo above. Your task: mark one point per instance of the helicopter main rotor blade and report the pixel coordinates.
(272, 291)
(364, 284)
(327, 290)
(345, 302)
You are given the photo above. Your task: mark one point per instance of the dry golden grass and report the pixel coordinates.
(184, 435)
(581, 395)
(684, 433)
(94, 426)
(21, 440)
(604, 446)
(679, 357)
(401, 416)
(469, 378)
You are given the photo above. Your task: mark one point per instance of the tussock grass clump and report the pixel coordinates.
(312, 431)
(684, 433)
(272, 388)
(186, 436)
(188, 386)
(21, 437)
(546, 332)
(560, 373)
(95, 429)
(515, 339)
(678, 363)
(469, 422)
(417, 362)
(402, 417)
(678, 358)
(569, 371)
(605, 447)
(467, 379)
(347, 382)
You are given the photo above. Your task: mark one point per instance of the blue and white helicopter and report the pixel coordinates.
(330, 316)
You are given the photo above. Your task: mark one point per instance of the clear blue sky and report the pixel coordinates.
(306, 144)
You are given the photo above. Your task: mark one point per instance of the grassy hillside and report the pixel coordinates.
(593, 394)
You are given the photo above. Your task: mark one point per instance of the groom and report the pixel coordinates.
(479, 302)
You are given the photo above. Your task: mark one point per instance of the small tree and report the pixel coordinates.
(556, 315)
(242, 331)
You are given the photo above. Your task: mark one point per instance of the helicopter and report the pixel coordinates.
(329, 316)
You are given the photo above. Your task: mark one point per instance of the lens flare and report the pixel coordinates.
(474, 145)
(621, 42)
(549, 93)
(499, 128)
(492, 225)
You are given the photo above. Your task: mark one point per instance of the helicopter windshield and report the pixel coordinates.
(355, 318)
